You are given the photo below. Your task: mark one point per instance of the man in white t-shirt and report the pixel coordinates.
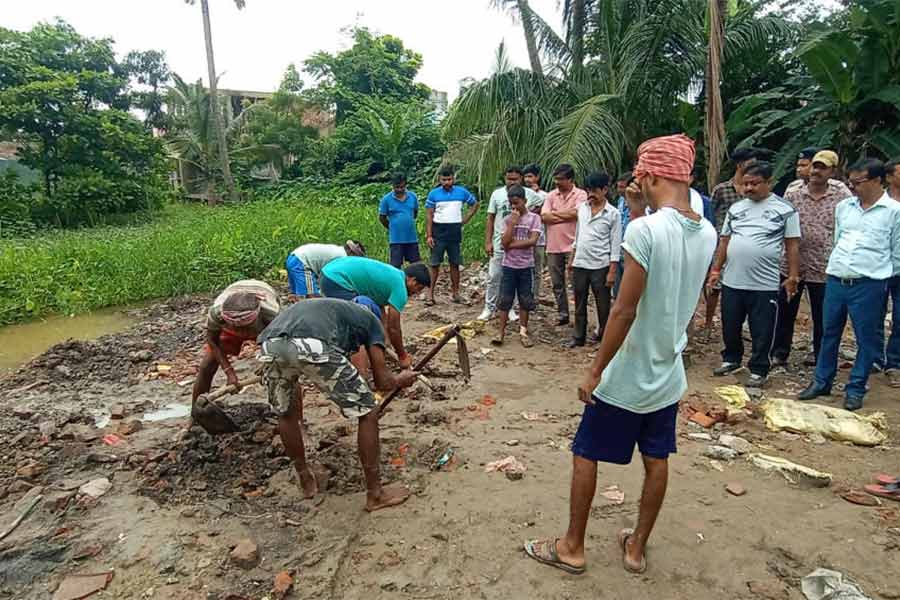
(304, 265)
(637, 378)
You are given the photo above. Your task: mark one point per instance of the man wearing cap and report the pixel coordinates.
(815, 203)
(803, 169)
(633, 387)
(389, 287)
(237, 315)
(304, 265)
(866, 240)
(324, 341)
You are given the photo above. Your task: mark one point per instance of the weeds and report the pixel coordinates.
(190, 248)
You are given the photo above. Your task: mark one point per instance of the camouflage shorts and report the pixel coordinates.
(286, 360)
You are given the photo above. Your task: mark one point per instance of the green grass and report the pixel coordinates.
(187, 248)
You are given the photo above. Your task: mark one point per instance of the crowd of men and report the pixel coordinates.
(649, 258)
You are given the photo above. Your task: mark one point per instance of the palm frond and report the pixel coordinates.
(590, 137)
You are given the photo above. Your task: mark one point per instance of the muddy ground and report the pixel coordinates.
(176, 509)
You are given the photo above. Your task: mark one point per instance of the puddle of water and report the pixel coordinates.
(170, 411)
(21, 343)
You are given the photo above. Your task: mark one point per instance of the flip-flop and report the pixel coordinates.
(860, 498)
(497, 342)
(623, 544)
(526, 341)
(457, 299)
(544, 551)
(885, 479)
(891, 492)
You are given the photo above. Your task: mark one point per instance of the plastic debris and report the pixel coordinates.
(531, 416)
(735, 395)
(825, 584)
(833, 423)
(111, 439)
(445, 458)
(510, 464)
(793, 472)
(467, 330)
(614, 495)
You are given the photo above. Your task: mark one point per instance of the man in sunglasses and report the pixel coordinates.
(866, 241)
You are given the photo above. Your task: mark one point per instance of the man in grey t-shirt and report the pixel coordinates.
(756, 231)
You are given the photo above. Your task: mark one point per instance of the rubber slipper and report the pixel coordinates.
(623, 544)
(457, 299)
(860, 498)
(885, 479)
(526, 341)
(884, 491)
(497, 342)
(544, 551)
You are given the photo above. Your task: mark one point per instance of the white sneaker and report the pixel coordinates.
(513, 315)
(486, 315)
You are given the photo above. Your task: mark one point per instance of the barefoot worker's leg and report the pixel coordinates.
(205, 373)
(584, 481)
(290, 429)
(377, 496)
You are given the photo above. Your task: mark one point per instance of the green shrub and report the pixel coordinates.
(190, 248)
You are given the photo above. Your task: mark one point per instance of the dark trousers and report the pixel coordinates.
(860, 299)
(760, 309)
(891, 357)
(586, 281)
(787, 316)
(556, 262)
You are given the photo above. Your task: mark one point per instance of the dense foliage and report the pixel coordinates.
(64, 100)
(190, 248)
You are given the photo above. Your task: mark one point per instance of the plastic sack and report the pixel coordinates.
(833, 423)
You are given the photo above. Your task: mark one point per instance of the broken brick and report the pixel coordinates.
(245, 554)
(702, 419)
(735, 489)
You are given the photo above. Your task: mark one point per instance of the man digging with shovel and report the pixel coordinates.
(237, 315)
(321, 340)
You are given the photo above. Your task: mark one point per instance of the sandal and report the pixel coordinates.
(456, 299)
(891, 492)
(886, 479)
(623, 544)
(526, 341)
(544, 551)
(497, 341)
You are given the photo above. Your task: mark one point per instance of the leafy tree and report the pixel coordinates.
(64, 100)
(376, 66)
(847, 97)
(639, 60)
(149, 69)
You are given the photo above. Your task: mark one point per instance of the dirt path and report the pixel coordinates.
(174, 511)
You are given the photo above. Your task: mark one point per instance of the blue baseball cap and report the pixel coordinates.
(370, 304)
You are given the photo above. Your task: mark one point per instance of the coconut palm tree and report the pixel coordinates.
(643, 60)
(714, 118)
(217, 126)
(522, 12)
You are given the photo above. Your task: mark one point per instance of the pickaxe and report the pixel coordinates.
(208, 415)
(462, 353)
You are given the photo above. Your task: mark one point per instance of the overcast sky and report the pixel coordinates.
(457, 39)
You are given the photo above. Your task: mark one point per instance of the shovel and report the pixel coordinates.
(210, 416)
(462, 354)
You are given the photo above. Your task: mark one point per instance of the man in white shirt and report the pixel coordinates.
(595, 254)
(866, 241)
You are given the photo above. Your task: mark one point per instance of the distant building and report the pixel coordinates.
(439, 103)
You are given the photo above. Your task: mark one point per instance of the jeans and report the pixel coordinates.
(890, 357)
(861, 299)
(586, 281)
(787, 316)
(540, 257)
(557, 262)
(760, 308)
(619, 274)
(495, 274)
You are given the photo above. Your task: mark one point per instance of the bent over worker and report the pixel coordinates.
(389, 287)
(322, 340)
(237, 315)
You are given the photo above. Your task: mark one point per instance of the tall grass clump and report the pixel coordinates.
(190, 248)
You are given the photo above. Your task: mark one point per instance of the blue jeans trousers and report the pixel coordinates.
(862, 300)
(890, 359)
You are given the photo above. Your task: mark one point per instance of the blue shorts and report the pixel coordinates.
(516, 283)
(330, 289)
(453, 251)
(608, 433)
(408, 252)
(302, 280)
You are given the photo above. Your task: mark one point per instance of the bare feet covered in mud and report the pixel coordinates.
(389, 496)
(308, 483)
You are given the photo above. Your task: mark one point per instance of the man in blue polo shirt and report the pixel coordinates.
(398, 212)
(444, 228)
